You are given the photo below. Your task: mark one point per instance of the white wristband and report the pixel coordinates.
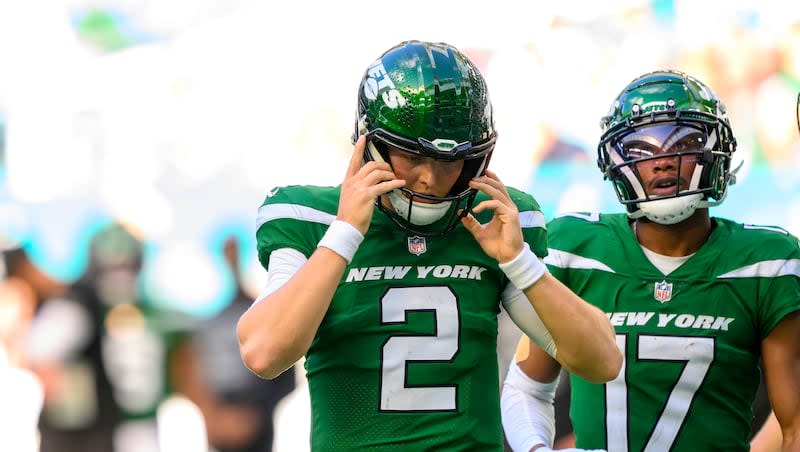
(342, 238)
(525, 269)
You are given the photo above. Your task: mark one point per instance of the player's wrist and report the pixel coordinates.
(525, 269)
(342, 238)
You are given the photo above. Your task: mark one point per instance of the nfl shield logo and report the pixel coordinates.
(663, 291)
(417, 245)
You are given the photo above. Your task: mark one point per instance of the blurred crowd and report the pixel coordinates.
(94, 366)
(128, 195)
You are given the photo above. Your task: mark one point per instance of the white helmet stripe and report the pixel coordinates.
(626, 171)
(698, 169)
(694, 184)
(711, 142)
(373, 151)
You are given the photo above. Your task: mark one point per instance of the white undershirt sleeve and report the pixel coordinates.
(527, 410)
(519, 309)
(283, 264)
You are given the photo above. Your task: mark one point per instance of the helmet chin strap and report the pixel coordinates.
(422, 214)
(669, 210)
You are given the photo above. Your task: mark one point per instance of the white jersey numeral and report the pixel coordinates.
(697, 352)
(399, 351)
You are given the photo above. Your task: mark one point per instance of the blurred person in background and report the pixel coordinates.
(102, 350)
(21, 390)
(776, 139)
(18, 303)
(20, 267)
(696, 300)
(390, 283)
(237, 406)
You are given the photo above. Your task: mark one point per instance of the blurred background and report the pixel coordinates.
(139, 137)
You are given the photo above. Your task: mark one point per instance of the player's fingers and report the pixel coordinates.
(496, 181)
(491, 204)
(491, 188)
(377, 175)
(372, 166)
(492, 175)
(471, 224)
(358, 156)
(387, 186)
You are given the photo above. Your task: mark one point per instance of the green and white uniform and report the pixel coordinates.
(405, 358)
(691, 339)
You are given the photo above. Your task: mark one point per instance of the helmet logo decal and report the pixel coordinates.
(272, 192)
(444, 144)
(417, 245)
(379, 81)
(657, 105)
(662, 291)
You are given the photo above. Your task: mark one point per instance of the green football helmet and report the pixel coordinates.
(427, 99)
(667, 115)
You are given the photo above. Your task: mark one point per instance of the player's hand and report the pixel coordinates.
(500, 238)
(362, 185)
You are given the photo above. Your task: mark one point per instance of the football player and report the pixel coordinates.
(390, 284)
(695, 300)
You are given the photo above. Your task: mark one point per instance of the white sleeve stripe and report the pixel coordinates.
(271, 212)
(771, 268)
(563, 259)
(592, 216)
(531, 219)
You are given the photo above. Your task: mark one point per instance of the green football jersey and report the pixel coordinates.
(691, 339)
(405, 358)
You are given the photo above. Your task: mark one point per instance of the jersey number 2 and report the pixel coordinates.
(697, 352)
(399, 351)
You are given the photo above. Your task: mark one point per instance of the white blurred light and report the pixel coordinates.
(139, 435)
(186, 275)
(14, 225)
(23, 396)
(579, 197)
(45, 158)
(181, 427)
(254, 277)
(142, 207)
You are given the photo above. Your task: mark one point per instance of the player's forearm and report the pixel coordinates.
(275, 332)
(787, 420)
(584, 338)
(791, 441)
(768, 438)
